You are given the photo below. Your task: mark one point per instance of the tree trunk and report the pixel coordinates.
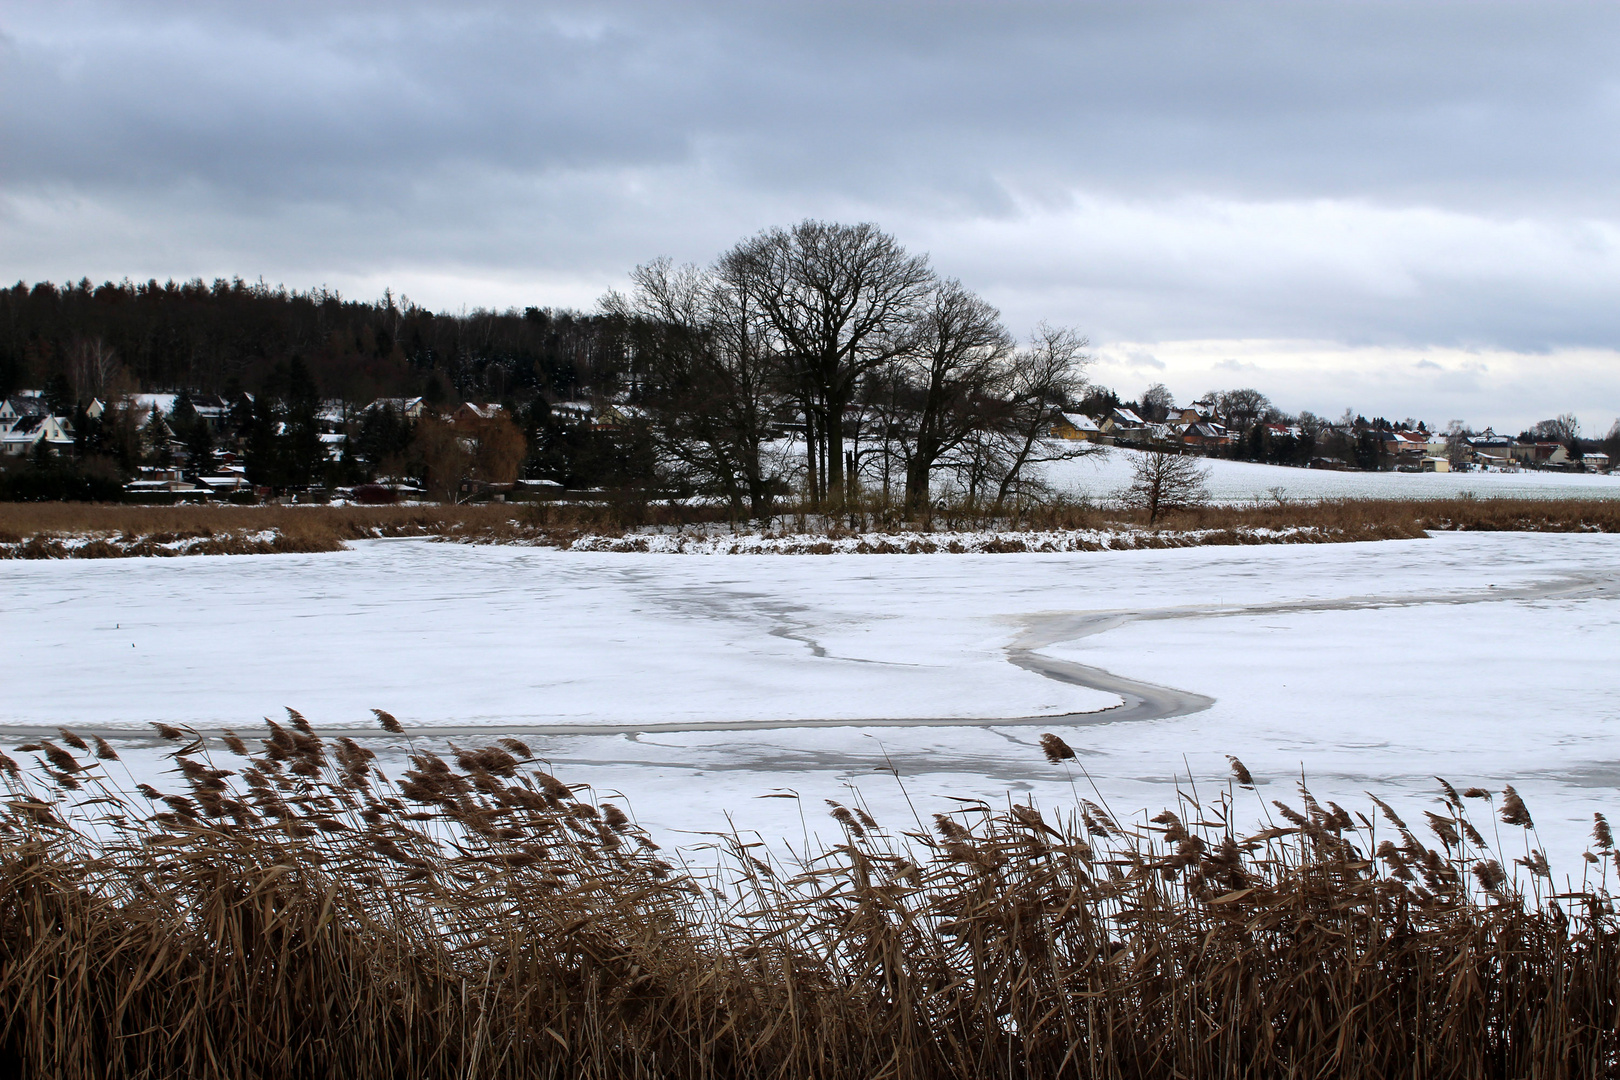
(833, 438)
(917, 478)
(811, 444)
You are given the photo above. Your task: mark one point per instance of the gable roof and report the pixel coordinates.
(1079, 421)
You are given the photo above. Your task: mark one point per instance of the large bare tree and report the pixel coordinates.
(840, 301)
(1241, 408)
(955, 369)
(708, 380)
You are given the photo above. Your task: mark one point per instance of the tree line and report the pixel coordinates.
(822, 358)
(84, 341)
(815, 358)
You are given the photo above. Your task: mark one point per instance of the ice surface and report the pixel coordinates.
(1484, 658)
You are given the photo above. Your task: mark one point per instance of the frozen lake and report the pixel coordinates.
(697, 684)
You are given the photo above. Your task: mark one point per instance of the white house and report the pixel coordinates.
(27, 432)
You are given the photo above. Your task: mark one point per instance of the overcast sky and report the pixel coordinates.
(1408, 209)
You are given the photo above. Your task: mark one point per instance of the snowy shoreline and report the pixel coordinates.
(950, 543)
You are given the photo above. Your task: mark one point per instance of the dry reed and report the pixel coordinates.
(300, 914)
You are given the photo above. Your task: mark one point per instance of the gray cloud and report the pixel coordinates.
(1372, 173)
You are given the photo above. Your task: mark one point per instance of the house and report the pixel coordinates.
(1596, 462)
(573, 413)
(20, 406)
(1123, 424)
(27, 432)
(1553, 455)
(409, 408)
(143, 406)
(163, 487)
(614, 417)
(1075, 427)
(226, 483)
(214, 410)
(469, 413)
(1414, 442)
(1493, 450)
(1191, 415)
(1206, 433)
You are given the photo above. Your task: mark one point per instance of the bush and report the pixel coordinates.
(375, 495)
(57, 482)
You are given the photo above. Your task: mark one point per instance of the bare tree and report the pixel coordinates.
(1241, 408)
(959, 355)
(1157, 403)
(1563, 429)
(1040, 380)
(839, 301)
(709, 382)
(95, 370)
(1459, 453)
(1165, 482)
(496, 446)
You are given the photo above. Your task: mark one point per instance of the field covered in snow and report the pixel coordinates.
(1097, 476)
(697, 685)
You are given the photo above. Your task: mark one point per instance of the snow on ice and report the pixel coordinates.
(695, 684)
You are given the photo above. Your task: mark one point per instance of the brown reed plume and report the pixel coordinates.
(292, 911)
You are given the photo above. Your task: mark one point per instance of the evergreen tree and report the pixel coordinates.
(303, 453)
(261, 454)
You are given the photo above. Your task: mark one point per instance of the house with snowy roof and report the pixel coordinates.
(409, 408)
(471, 413)
(18, 406)
(1206, 433)
(1075, 427)
(1123, 424)
(28, 432)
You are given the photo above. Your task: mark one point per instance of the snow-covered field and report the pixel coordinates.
(1097, 476)
(693, 684)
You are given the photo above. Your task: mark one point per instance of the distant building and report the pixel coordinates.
(409, 408)
(1075, 427)
(1206, 433)
(470, 413)
(27, 432)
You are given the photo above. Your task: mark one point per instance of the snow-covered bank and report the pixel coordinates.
(945, 542)
(163, 545)
(1484, 658)
(1100, 475)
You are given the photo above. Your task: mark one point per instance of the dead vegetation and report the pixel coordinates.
(86, 530)
(289, 911)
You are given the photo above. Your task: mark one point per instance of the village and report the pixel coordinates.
(192, 445)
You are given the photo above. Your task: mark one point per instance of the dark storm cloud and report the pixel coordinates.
(1361, 172)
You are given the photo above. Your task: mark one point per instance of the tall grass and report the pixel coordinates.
(287, 910)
